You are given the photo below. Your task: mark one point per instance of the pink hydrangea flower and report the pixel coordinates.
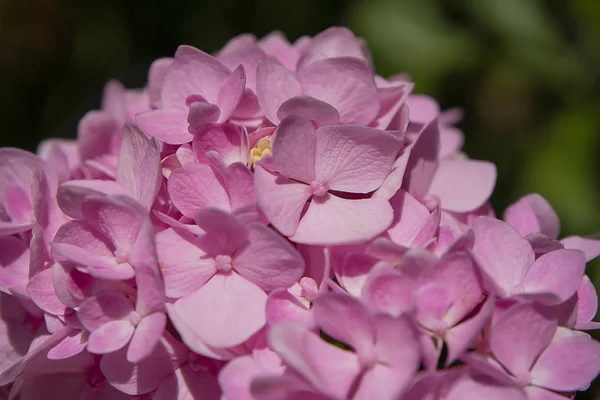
(318, 164)
(277, 221)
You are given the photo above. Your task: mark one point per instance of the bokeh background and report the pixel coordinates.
(526, 73)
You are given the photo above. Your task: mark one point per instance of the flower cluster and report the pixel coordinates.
(278, 222)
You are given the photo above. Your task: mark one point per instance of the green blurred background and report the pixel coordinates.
(526, 72)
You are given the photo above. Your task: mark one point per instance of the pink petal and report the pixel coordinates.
(14, 168)
(481, 387)
(146, 336)
(237, 180)
(150, 286)
(432, 302)
(225, 321)
(280, 199)
(558, 272)
(195, 342)
(183, 270)
(99, 266)
(392, 99)
(70, 346)
(18, 205)
(149, 373)
(39, 251)
(231, 93)
(345, 319)
(569, 363)
(394, 180)
(62, 156)
(71, 194)
(269, 260)
(462, 336)
(382, 382)
(104, 308)
(316, 111)
(283, 306)
(451, 141)
(274, 85)
(202, 113)
(397, 346)
(236, 378)
(409, 218)
(110, 337)
(294, 147)
(224, 234)
(587, 304)
(41, 290)
(118, 218)
(43, 196)
(423, 109)
(11, 228)
(244, 50)
(423, 161)
(590, 246)
(277, 46)
(354, 272)
(226, 139)
(192, 72)
(113, 97)
(168, 125)
(333, 220)
(457, 274)
(15, 339)
(463, 185)
(195, 187)
(501, 253)
(532, 214)
(95, 133)
(519, 336)
(156, 78)
(354, 159)
(14, 265)
(333, 42)
(542, 244)
(78, 242)
(345, 83)
(389, 291)
(329, 369)
(138, 169)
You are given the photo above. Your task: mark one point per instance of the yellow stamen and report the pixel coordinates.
(262, 149)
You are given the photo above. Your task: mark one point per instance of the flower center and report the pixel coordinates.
(524, 378)
(223, 263)
(518, 289)
(134, 318)
(121, 256)
(319, 188)
(263, 148)
(367, 358)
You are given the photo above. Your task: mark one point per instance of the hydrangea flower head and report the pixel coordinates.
(276, 221)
